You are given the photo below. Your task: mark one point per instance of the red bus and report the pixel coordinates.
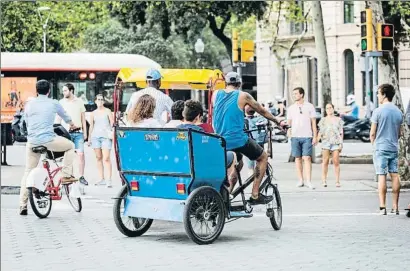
(90, 73)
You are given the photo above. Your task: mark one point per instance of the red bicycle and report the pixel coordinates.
(41, 199)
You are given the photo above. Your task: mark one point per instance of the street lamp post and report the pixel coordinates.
(47, 12)
(199, 49)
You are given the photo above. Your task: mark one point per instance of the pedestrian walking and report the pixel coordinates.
(302, 122)
(384, 135)
(331, 134)
(101, 135)
(142, 115)
(163, 102)
(76, 110)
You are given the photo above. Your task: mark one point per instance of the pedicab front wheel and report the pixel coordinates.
(204, 215)
(134, 226)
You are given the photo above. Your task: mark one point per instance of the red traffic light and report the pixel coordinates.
(387, 30)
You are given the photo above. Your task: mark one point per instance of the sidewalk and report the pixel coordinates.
(354, 177)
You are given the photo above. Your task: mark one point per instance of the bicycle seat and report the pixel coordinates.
(39, 149)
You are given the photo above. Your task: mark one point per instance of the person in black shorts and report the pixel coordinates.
(229, 122)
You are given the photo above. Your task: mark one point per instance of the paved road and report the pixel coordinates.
(321, 231)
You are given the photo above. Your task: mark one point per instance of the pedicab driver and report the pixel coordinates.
(163, 102)
(40, 114)
(229, 122)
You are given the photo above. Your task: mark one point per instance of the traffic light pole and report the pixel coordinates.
(374, 55)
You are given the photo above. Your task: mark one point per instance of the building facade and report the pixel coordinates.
(278, 73)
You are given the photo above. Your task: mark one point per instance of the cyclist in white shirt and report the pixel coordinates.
(163, 102)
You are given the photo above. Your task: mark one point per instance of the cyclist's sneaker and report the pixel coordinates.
(68, 180)
(23, 210)
(83, 181)
(383, 211)
(262, 199)
(109, 184)
(300, 184)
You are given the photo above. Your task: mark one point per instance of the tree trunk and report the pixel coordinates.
(388, 74)
(323, 61)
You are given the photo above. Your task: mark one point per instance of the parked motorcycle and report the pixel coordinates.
(19, 128)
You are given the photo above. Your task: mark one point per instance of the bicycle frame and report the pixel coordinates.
(267, 180)
(53, 189)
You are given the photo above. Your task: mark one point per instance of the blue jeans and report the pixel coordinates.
(385, 162)
(78, 140)
(301, 146)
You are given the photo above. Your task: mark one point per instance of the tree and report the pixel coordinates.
(388, 74)
(112, 37)
(22, 29)
(188, 18)
(322, 56)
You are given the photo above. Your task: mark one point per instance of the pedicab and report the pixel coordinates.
(180, 175)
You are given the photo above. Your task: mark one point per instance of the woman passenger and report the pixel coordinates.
(331, 134)
(142, 115)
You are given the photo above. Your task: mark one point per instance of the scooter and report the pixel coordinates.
(357, 129)
(19, 128)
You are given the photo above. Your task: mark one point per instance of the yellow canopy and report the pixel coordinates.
(197, 79)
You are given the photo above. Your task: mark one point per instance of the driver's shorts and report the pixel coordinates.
(251, 149)
(229, 158)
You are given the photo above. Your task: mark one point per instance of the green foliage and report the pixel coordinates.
(112, 37)
(394, 12)
(188, 18)
(21, 27)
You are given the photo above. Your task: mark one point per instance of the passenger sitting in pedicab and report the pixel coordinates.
(192, 115)
(176, 114)
(142, 115)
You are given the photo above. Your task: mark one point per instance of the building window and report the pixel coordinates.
(348, 10)
(297, 28)
(349, 72)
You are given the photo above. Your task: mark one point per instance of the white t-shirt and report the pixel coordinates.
(301, 115)
(147, 123)
(163, 102)
(74, 109)
(173, 124)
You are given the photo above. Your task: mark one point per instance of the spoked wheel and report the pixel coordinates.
(75, 202)
(274, 208)
(40, 202)
(204, 215)
(129, 226)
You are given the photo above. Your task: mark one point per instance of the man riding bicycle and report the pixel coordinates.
(40, 115)
(228, 121)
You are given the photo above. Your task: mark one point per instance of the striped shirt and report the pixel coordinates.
(163, 102)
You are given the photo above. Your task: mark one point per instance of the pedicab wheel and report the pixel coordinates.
(205, 210)
(134, 226)
(274, 208)
(75, 202)
(40, 202)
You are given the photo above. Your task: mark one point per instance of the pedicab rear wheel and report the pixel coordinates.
(204, 208)
(134, 226)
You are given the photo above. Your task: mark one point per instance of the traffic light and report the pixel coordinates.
(235, 49)
(247, 50)
(385, 35)
(366, 43)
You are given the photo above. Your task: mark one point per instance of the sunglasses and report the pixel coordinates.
(100, 100)
(300, 110)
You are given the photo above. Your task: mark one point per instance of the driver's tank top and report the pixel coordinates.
(228, 119)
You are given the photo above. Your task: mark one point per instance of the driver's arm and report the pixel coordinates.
(249, 100)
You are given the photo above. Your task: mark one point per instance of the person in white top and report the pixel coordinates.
(176, 114)
(142, 115)
(76, 110)
(163, 102)
(302, 121)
